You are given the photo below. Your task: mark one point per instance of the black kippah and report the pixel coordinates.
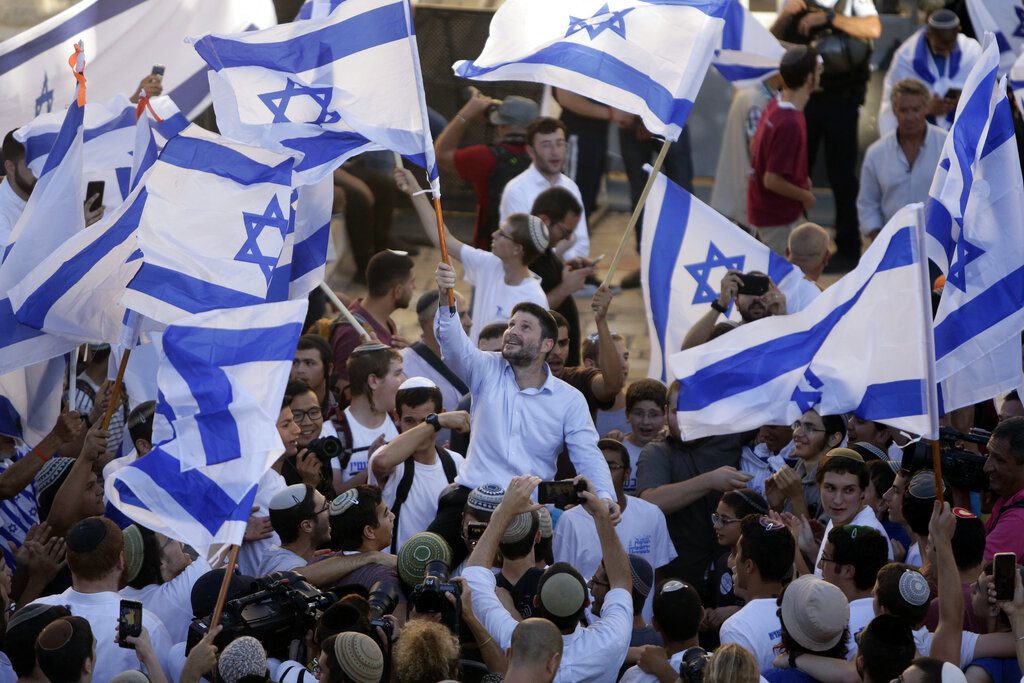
(87, 535)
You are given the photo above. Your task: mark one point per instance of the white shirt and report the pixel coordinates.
(635, 674)
(493, 298)
(363, 436)
(913, 557)
(862, 611)
(251, 554)
(629, 485)
(756, 627)
(11, 207)
(171, 601)
(968, 640)
(642, 531)
(594, 653)
(914, 59)
(520, 193)
(415, 365)
(518, 430)
(800, 294)
(888, 182)
(280, 559)
(420, 506)
(866, 517)
(102, 610)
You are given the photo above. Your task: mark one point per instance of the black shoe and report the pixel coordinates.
(630, 280)
(841, 263)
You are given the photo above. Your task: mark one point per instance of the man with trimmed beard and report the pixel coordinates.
(750, 307)
(16, 188)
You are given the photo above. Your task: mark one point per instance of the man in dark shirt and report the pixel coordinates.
(685, 480)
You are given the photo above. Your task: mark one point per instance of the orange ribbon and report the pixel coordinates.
(79, 75)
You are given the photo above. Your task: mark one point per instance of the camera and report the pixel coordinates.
(282, 609)
(383, 599)
(960, 469)
(691, 668)
(326, 448)
(430, 596)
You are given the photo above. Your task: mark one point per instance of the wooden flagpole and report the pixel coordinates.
(363, 334)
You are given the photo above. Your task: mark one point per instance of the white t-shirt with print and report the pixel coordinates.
(362, 437)
(862, 611)
(756, 627)
(493, 299)
(420, 506)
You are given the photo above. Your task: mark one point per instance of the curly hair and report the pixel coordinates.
(427, 652)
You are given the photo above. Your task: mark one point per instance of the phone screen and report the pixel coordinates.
(475, 530)
(557, 493)
(129, 622)
(158, 70)
(95, 187)
(753, 284)
(1003, 567)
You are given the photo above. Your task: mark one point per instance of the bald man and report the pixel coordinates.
(808, 249)
(535, 652)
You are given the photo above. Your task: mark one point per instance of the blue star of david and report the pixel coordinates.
(255, 224)
(615, 22)
(1019, 31)
(45, 98)
(700, 271)
(965, 253)
(277, 102)
(806, 399)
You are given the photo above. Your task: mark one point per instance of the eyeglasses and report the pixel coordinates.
(806, 427)
(313, 414)
(325, 508)
(505, 235)
(823, 560)
(594, 582)
(720, 521)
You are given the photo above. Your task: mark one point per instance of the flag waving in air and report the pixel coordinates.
(863, 346)
(975, 235)
(221, 378)
(329, 87)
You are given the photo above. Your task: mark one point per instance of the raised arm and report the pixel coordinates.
(448, 141)
(608, 384)
(21, 473)
(675, 496)
(459, 353)
(701, 330)
(406, 182)
(396, 451)
(333, 569)
(616, 563)
(949, 632)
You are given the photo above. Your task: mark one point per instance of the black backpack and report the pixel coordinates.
(508, 166)
(405, 485)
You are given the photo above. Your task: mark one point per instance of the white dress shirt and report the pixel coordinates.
(517, 431)
(11, 206)
(521, 191)
(594, 653)
(102, 610)
(171, 601)
(888, 182)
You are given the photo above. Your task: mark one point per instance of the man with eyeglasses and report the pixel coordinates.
(298, 514)
(642, 528)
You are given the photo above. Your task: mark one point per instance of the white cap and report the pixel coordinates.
(288, 497)
(417, 383)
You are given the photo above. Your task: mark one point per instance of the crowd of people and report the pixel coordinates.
(495, 500)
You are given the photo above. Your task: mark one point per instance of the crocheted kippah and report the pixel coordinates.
(642, 573)
(538, 233)
(242, 657)
(359, 657)
(51, 472)
(562, 594)
(133, 552)
(519, 528)
(86, 535)
(418, 552)
(343, 502)
(485, 498)
(546, 526)
(914, 588)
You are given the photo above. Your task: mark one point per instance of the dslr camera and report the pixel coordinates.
(430, 596)
(326, 448)
(383, 599)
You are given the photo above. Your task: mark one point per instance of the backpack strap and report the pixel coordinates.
(405, 485)
(427, 354)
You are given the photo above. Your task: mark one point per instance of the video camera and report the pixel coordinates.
(961, 469)
(281, 610)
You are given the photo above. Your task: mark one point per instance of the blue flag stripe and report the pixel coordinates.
(1001, 128)
(324, 147)
(763, 363)
(310, 253)
(892, 399)
(186, 292)
(672, 222)
(38, 145)
(34, 309)
(999, 301)
(740, 72)
(203, 155)
(68, 131)
(11, 331)
(311, 50)
(601, 66)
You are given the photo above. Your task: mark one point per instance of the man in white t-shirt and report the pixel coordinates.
(850, 560)
(842, 477)
(641, 529)
(420, 417)
(501, 277)
(375, 372)
(764, 556)
(677, 617)
(545, 143)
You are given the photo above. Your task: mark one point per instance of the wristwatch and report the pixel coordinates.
(792, 659)
(433, 421)
(719, 307)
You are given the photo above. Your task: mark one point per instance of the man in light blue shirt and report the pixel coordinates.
(523, 416)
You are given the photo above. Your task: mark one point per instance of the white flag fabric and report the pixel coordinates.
(975, 236)
(685, 250)
(863, 346)
(1005, 20)
(749, 52)
(302, 265)
(642, 57)
(221, 377)
(126, 38)
(30, 400)
(325, 87)
(53, 215)
(1017, 81)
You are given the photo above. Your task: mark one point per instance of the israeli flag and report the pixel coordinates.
(975, 236)
(54, 214)
(648, 58)
(217, 214)
(317, 9)
(864, 346)
(221, 377)
(1005, 20)
(302, 265)
(685, 250)
(749, 52)
(327, 88)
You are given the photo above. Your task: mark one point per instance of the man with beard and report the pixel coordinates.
(523, 416)
(750, 307)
